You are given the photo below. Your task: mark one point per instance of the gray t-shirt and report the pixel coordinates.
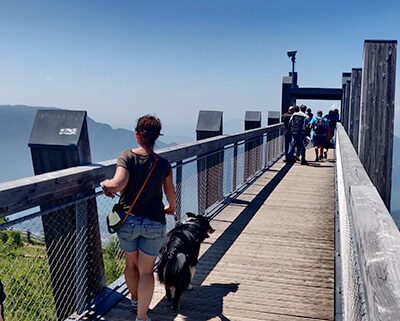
(149, 203)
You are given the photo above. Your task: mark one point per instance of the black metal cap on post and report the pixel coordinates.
(274, 117)
(64, 134)
(58, 128)
(209, 124)
(252, 119)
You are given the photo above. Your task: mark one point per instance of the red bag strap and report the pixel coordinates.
(141, 189)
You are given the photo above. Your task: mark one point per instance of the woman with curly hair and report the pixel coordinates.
(142, 233)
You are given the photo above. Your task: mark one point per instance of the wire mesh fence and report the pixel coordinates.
(352, 301)
(55, 261)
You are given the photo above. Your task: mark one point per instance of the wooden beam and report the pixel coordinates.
(317, 93)
(29, 192)
(286, 99)
(375, 146)
(345, 76)
(354, 112)
(347, 107)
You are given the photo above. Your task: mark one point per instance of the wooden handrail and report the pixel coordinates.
(377, 238)
(32, 191)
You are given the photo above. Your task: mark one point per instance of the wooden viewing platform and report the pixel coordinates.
(271, 257)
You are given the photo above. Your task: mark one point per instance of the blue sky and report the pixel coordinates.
(121, 59)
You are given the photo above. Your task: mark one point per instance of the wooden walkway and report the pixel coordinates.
(271, 257)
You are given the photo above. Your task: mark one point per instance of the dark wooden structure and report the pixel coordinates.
(210, 169)
(253, 155)
(354, 106)
(317, 93)
(286, 97)
(59, 139)
(274, 117)
(345, 77)
(290, 93)
(377, 113)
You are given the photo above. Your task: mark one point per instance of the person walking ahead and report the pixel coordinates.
(320, 127)
(143, 232)
(286, 130)
(298, 131)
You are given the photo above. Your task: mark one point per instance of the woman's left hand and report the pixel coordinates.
(169, 210)
(106, 191)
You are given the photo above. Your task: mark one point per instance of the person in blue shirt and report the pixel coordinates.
(320, 127)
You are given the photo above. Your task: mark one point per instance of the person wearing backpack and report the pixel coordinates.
(298, 131)
(320, 126)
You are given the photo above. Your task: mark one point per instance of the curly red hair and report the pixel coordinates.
(148, 128)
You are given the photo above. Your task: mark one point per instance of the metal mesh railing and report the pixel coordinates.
(353, 308)
(55, 260)
(52, 264)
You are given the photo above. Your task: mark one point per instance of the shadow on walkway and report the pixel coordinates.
(208, 300)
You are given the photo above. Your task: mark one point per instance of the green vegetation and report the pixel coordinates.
(24, 271)
(25, 275)
(113, 260)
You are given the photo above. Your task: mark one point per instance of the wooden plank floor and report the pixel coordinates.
(271, 257)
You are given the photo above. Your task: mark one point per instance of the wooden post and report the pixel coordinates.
(178, 184)
(210, 169)
(59, 139)
(347, 107)
(345, 77)
(375, 145)
(286, 99)
(274, 118)
(354, 110)
(252, 157)
(235, 163)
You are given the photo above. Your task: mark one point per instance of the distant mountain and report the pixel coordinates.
(15, 128)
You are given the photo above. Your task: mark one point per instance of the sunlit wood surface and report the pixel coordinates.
(271, 257)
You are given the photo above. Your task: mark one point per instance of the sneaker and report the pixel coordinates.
(147, 319)
(304, 162)
(134, 306)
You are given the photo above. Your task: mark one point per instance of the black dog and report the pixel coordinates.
(179, 254)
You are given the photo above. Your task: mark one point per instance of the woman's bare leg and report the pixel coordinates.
(132, 273)
(146, 283)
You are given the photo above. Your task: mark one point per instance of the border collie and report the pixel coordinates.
(179, 254)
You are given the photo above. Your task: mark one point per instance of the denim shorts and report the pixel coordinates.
(320, 141)
(141, 233)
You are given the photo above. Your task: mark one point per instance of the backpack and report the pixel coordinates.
(319, 127)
